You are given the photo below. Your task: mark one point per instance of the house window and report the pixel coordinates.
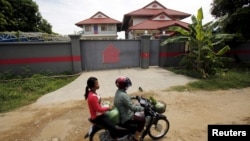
(108, 27)
(104, 27)
(111, 27)
(88, 28)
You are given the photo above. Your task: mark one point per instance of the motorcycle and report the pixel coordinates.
(156, 126)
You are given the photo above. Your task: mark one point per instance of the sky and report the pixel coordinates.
(63, 14)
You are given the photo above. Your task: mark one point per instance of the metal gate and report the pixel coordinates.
(109, 54)
(154, 53)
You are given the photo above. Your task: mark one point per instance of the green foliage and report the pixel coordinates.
(234, 16)
(18, 91)
(202, 58)
(223, 80)
(22, 15)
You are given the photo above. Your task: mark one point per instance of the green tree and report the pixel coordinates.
(22, 15)
(201, 40)
(235, 14)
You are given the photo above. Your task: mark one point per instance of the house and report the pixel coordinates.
(99, 26)
(154, 19)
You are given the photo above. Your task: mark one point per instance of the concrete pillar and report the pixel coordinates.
(145, 49)
(76, 53)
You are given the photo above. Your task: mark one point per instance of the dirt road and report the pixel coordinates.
(189, 114)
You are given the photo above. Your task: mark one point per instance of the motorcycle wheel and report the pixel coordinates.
(159, 129)
(99, 135)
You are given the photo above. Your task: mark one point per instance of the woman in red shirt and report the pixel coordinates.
(95, 108)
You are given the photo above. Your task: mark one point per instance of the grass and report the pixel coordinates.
(17, 91)
(224, 80)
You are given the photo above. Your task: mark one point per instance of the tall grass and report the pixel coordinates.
(16, 91)
(223, 80)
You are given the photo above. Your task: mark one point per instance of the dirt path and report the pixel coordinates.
(189, 114)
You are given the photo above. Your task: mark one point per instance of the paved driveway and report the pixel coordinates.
(153, 78)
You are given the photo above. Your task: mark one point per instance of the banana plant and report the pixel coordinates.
(201, 41)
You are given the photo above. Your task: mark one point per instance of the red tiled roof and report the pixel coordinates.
(152, 12)
(155, 2)
(157, 24)
(98, 21)
(93, 20)
(170, 33)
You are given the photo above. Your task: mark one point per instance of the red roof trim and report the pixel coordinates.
(99, 12)
(93, 20)
(152, 12)
(158, 24)
(166, 14)
(154, 2)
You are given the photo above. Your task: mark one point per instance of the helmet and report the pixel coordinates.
(123, 82)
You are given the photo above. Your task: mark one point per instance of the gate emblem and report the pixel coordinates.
(110, 54)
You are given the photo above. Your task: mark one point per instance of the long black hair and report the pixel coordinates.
(90, 84)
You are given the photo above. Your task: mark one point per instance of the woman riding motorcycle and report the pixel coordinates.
(123, 103)
(96, 110)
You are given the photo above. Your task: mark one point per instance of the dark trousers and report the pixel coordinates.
(107, 124)
(137, 120)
